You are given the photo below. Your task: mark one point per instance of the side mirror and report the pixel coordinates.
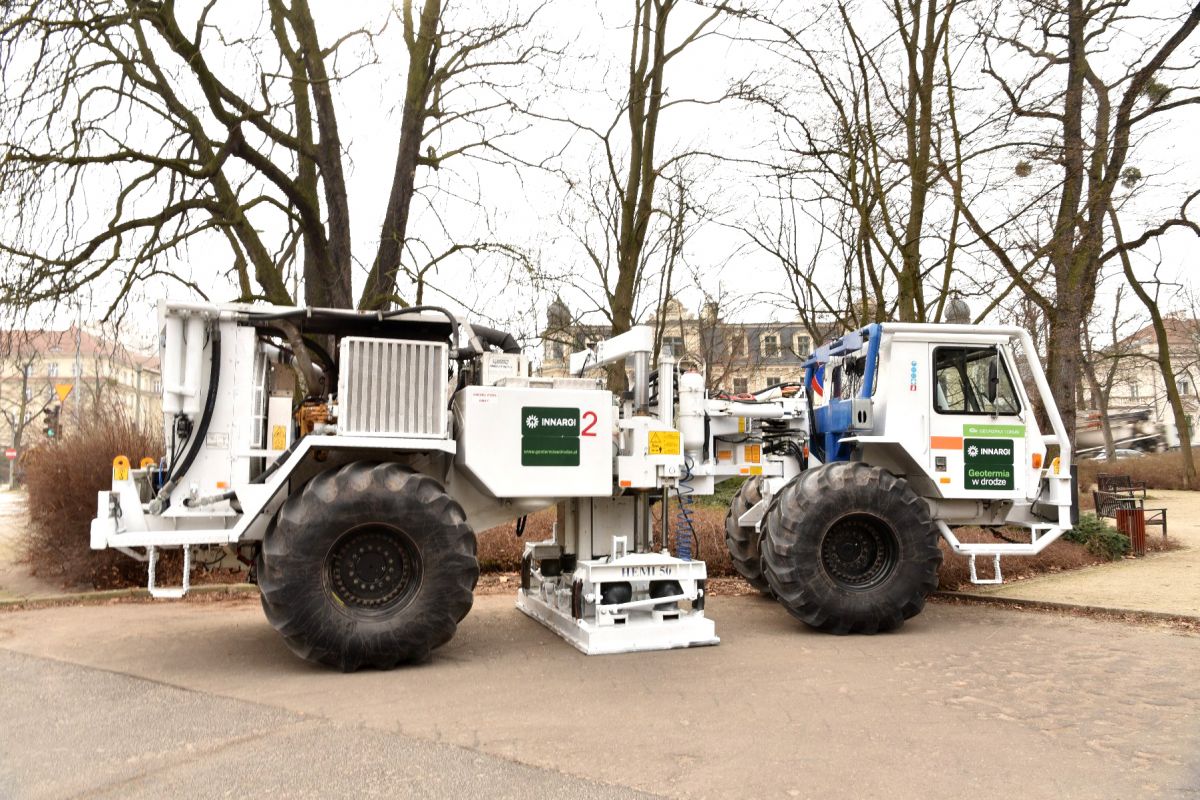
(993, 379)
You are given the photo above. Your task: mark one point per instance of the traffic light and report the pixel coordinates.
(50, 423)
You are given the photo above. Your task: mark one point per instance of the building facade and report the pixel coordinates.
(1138, 380)
(103, 376)
(734, 357)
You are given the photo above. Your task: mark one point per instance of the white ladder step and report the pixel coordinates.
(996, 576)
(176, 592)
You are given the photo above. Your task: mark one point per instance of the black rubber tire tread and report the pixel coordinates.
(741, 542)
(291, 567)
(797, 521)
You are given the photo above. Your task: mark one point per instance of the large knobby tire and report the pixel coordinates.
(850, 548)
(743, 542)
(369, 565)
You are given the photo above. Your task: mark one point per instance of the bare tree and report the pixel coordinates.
(1166, 367)
(621, 219)
(859, 164)
(195, 128)
(17, 357)
(1073, 118)
(1101, 367)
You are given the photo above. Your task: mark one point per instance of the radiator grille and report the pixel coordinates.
(388, 387)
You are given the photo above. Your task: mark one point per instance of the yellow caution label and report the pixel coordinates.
(664, 443)
(278, 437)
(741, 424)
(756, 470)
(120, 468)
(753, 453)
(724, 455)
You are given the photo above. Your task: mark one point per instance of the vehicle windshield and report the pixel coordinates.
(962, 375)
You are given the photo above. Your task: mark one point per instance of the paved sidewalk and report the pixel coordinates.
(205, 700)
(1164, 583)
(15, 581)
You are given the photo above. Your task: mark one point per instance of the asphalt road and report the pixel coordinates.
(204, 700)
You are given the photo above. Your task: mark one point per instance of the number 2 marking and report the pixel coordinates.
(588, 430)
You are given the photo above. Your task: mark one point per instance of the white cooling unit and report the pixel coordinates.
(391, 387)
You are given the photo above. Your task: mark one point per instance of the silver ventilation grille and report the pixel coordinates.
(388, 387)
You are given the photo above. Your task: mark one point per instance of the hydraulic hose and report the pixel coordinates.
(277, 463)
(418, 309)
(501, 339)
(163, 498)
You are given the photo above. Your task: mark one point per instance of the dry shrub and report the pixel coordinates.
(1156, 470)
(62, 479)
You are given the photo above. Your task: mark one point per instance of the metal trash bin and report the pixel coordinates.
(1132, 523)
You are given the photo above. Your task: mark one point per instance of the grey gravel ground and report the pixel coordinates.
(75, 731)
(204, 700)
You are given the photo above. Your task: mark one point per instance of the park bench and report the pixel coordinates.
(1120, 493)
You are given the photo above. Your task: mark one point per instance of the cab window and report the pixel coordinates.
(962, 376)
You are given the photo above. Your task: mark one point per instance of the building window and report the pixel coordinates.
(673, 342)
(28, 394)
(28, 371)
(773, 380)
(556, 351)
(802, 345)
(770, 346)
(1133, 391)
(738, 347)
(740, 386)
(77, 369)
(158, 384)
(52, 369)
(1184, 385)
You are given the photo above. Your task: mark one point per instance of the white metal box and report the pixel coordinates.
(527, 442)
(496, 366)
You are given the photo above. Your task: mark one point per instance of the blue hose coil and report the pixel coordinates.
(685, 528)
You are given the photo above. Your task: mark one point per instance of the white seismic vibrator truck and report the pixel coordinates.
(349, 457)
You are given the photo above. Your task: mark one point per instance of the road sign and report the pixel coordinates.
(10, 453)
(62, 390)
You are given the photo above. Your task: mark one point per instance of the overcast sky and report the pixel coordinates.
(529, 211)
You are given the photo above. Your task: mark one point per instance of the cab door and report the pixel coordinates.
(977, 427)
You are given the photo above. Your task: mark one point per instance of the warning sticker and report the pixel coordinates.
(753, 453)
(664, 443)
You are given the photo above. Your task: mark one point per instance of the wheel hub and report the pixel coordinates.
(859, 551)
(372, 567)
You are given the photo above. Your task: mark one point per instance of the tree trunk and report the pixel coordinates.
(1062, 364)
(333, 289)
(422, 43)
(1101, 398)
(1163, 359)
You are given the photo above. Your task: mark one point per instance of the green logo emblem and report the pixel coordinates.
(549, 436)
(988, 464)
